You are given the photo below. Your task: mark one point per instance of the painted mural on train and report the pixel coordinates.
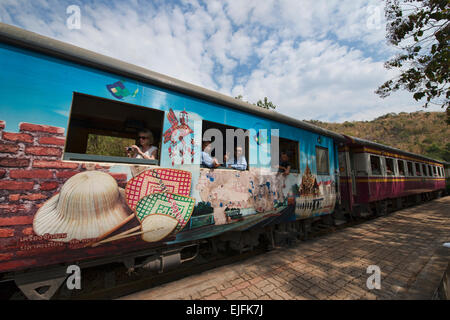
(89, 207)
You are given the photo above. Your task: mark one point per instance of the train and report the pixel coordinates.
(77, 188)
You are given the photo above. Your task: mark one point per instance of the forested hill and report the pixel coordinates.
(421, 132)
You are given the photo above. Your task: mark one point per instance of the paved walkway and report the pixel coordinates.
(406, 245)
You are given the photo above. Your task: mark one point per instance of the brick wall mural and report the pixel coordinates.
(31, 172)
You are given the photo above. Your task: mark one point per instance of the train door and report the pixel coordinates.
(352, 173)
(346, 187)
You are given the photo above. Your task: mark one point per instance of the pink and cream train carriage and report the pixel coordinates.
(374, 177)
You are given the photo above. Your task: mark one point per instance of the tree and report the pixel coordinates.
(420, 29)
(266, 104)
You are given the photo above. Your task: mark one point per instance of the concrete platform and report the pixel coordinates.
(406, 245)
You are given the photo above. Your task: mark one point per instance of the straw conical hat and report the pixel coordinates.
(89, 204)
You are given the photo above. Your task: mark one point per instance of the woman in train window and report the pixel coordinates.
(144, 148)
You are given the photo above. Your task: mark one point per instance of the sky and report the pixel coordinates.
(314, 59)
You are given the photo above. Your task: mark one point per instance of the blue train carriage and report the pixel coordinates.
(71, 189)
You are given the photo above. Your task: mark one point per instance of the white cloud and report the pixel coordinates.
(314, 59)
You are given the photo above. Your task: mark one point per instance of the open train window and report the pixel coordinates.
(101, 130)
(375, 165)
(289, 152)
(424, 170)
(410, 168)
(322, 161)
(242, 143)
(401, 167)
(390, 166)
(418, 173)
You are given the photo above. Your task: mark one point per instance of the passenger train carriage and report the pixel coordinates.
(374, 177)
(70, 194)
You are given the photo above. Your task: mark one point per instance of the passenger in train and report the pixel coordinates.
(239, 162)
(207, 160)
(144, 148)
(375, 165)
(389, 167)
(284, 166)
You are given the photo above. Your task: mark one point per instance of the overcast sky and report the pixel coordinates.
(314, 59)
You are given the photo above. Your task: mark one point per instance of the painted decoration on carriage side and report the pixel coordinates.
(180, 137)
(157, 180)
(119, 91)
(90, 204)
(314, 197)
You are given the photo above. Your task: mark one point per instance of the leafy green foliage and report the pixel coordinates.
(265, 103)
(421, 30)
(107, 145)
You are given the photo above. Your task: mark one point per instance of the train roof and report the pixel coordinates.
(33, 41)
(358, 141)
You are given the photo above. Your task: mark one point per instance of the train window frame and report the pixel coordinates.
(390, 160)
(371, 166)
(410, 171)
(84, 119)
(327, 153)
(424, 170)
(403, 167)
(226, 126)
(296, 158)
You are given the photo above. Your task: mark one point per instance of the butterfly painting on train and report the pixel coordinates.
(119, 91)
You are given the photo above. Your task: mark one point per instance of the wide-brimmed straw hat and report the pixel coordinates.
(89, 205)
